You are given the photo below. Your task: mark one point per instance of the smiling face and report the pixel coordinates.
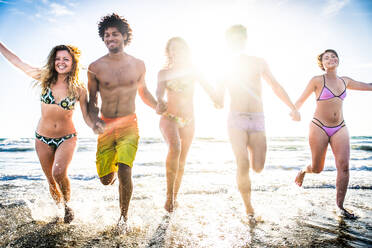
(63, 62)
(329, 60)
(114, 40)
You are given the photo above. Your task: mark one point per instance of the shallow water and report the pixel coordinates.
(210, 212)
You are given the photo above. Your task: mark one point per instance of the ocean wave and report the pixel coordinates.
(327, 168)
(18, 145)
(362, 147)
(332, 186)
(362, 168)
(361, 159)
(40, 177)
(83, 177)
(16, 204)
(16, 149)
(17, 177)
(85, 149)
(150, 140)
(151, 164)
(206, 192)
(361, 137)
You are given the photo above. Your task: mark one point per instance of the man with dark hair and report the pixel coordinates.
(246, 122)
(117, 76)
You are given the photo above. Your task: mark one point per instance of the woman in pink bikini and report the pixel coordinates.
(328, 126)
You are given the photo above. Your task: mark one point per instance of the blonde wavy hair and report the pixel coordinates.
(49, 75)
(170, 60)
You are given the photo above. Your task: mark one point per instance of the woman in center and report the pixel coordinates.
(177, 80)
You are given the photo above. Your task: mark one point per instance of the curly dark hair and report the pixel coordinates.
(114, 20)
(320, 57)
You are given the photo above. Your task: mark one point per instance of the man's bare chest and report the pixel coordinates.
(111, 78)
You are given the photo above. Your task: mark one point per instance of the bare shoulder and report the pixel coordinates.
(82, 90)
(259, 63)
(95, 65)
(317, 81)
(140, 65)
(346, 79)
(317, 78)
(162, 74)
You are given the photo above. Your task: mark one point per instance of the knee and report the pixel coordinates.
(242, 162)
(58, 173)
(343, 166)
(242, 172)
(108, 179)
(105, 181)
(175, 149)
(244, 184)
(124, 173)
(242, 178)
(316, 170)
(258, 168)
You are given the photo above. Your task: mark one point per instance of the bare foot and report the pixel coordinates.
(347, 214)
(169, 205)
(122, 226)
(69, 215)
(300, 178)
(252, 220)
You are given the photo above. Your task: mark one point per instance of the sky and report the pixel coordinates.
(288, 34)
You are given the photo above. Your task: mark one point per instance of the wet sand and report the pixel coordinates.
(210, 215)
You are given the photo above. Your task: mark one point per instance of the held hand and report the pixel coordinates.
(99, 127)
(217, 105)
(161, 107)
(295, 115)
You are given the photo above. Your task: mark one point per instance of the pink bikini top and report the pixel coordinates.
(326, 93)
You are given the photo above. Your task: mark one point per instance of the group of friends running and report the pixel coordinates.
(118, 76)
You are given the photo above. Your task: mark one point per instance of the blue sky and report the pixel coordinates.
(287, 33)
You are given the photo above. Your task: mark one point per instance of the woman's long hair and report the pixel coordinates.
(49, 75)
(169, 59)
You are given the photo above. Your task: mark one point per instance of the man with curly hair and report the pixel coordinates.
(117, 76)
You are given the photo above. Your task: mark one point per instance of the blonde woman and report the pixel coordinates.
(177, 81)
(55, 133)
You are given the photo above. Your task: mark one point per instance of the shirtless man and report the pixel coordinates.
(117, 76)
(246, 124)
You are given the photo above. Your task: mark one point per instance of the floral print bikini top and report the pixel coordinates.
(48, 98)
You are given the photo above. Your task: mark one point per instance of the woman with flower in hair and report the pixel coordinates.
(177, 79)
(328, 125)
(55, 133)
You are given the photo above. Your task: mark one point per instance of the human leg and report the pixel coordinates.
(125, 189)
(106, 158)
(186, 135)
(257, 150)
(63, 157)
(126, 146)
(239, 142)
(318, 141)
(170, 132)
(46, 158)
(340, 145)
